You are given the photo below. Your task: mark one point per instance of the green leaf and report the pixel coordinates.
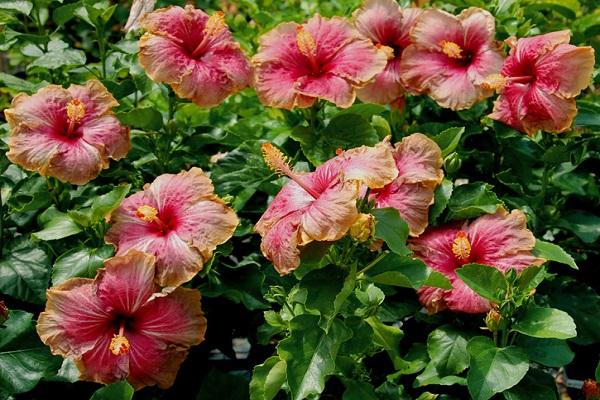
(568, 8)
(537, 385)
(344, 131)
(222, 385)
(487, 281)
(449, 139)
(63, 14)
(447, 349)
(546, 323)
(24, 7)
(80, 262)
(389, 338)
(267, 379)
(397, 270)
(310, 354)
(59, 58)
(59, 226)
(18, 84)
(553, 252)
(431, 376)
(472, 200)
(441, 198)
(24, 271)
(105, 204)
(493, 370)
(356, 390)
(24, 360)
(148, 119)
(121, 390)
(392, 229)
(550, 352)
(583, 224)
(530, 278)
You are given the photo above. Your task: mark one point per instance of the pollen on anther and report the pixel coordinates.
(275, 159)
(461, 247)
(146, 213)
(75, 110)
(306, 42)
(451, 49)
(119, 345)
(215, 24)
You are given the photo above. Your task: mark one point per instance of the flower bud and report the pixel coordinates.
(362, 229)
(493, 320)
(452, 163)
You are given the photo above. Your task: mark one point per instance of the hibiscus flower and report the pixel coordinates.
(419, 164)
(194, 53)
(451, 56)
(178, 219)
(500, 240)
(388, 26)
(68, 134)
(539, 82)
(319, 205)
(119, 326)
(321, 59)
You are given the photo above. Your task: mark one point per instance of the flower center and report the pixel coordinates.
(387, 50)
(146, 213)
(119, 344)
(75, 113)
(461, 247)
(451, 49)
(497, 81)
(307, 45)
(279, 163)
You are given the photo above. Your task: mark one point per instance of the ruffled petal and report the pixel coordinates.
(531, 48)
(502, 240)
(291, 198)
(229, 58)
(76, 162)
(164, 59)
(31, 149)
(548, 112)
(175, 192)
(379, 20)
(43, 112)
(330, 216)
(126, 282)
(565, 70)
(479, 27)
(177, 261)
(329, 87)
(183, 25)
(419, 159)
(435, 26)
(433, 299)
(434, 247)
(509, 107)
(280, 243)
(275, 85)
(412, 200)
(74, 319)
(463, 299)
(96, 99)
(106, 132)
(386, 88)
(458, 91)
(372, 166)
(487, 61)
(100, 365)
(421, 69)
(204, 84)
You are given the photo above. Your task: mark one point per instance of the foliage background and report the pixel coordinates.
(48, 233)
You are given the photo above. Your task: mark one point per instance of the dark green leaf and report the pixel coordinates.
(472, 200)
(441, 198)
(59, 58)
(449, 139)
(80, 262)
(487, 281)
(553, 252)
(537, 385)
(546, 323)
(105, 204)
(24, 360)
(494, 370)
(392, 229)
(24, 270)
(59, 226)
(397, 270)
(389, 338)
(22, 6)
(447, 348)
(121, 390)
(310, 354)
(431, 376)
(550, 352)
(356, 390)
(582, 223)
(148, 119)
(63, 14)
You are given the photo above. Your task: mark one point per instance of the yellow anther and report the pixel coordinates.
(494, 82)
(387, 50)
(275, 159)
(119, 345)
(75, 110)
(146, 213)
(461, 247)
(306, 42)
(451, 49)
(215, 24)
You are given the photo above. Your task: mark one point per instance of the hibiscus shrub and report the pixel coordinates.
(301, 199)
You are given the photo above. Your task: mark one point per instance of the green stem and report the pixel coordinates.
(102, 51)
(371, 264)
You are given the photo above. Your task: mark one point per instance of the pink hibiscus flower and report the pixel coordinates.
(194, 53)
(120, 326)
(539, 81)
(178, 219)
(66, 133)
(388, 26)
(319, 205)
(451, 56)
(321, 59)
(500, 240)
(419, 164)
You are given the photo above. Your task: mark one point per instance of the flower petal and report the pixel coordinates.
(106, 132)
(387, 86)
(164, 59)
(419, 159)
(275, 85)
(74, 318)
(126, 282)
(379, 20)
(509, 107)
(100, 365)
(174, 22)
(96, 99)
(372, 166)
(547, 111)
(434, 247)
(280, 243)
(329, 87)
(76, 162)
(433, 299)
(502, 240)
(532, 47)
(176, 260)
(175, 192)
(435, 26)
(479, 27)
(463, 299)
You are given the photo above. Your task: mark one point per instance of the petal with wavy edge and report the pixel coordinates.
(280, 243)
(419, 159)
